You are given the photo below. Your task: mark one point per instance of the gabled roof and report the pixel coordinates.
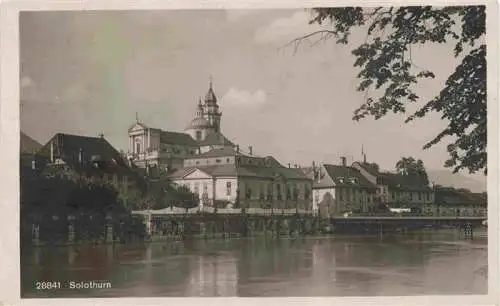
(28, 144)
(216, 139)
(396, 180)
(177, 138)
(139, 125)
(342, 177)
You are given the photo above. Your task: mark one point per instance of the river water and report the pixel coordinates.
(425, 263)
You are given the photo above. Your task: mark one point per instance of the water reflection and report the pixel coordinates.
(437, 263)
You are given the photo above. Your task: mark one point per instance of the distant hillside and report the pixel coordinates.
(28, 144)
(447, 178)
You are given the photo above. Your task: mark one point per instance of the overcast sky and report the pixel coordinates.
(90, 72)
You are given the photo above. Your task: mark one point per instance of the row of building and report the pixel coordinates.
(223, 174)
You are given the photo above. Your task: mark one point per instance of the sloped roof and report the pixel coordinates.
(139, 124)
(403, 182)
(28, 144)
(341, 176)
(243, 171)
(396, 180)
(222, 152)
(210, 97)
(67, 147)
(452, 196)
(370, 168)
(177, 138)
(216, 139)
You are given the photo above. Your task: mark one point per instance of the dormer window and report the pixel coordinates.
(341, 180)
(353, 180)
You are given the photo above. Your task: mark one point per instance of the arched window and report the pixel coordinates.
(198, 135)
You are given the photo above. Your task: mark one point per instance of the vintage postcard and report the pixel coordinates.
(244, 150)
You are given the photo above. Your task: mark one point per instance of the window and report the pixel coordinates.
(419, 196)
(196, 188)
(270, 192)
(228, 160)
(249, 193)
(197, 162)
(411, 196)
(218, 161)
(278, 192)
(261, 192)
(341, 194)
(295, 193)
(205, 188)
(198, 135)
(228, 188)
(307, 193)
(138, 146)
(288, 192)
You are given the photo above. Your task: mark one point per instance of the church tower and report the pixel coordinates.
(199, 127)
(211, 109)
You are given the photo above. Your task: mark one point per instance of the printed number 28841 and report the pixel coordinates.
(47, 285)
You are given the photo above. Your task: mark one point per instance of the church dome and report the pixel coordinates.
(198, 123)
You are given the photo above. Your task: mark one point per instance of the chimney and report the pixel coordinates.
(101, 135)
(289, 165)
(237, 149)
(52, 151)
(296, 166)
(314, 165)
(343, 161)
(250, 149)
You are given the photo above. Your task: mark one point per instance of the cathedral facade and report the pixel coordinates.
(153, 147)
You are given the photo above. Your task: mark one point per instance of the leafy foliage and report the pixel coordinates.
(62, 196)
(163, 193)
(413, 167)
(387, 68)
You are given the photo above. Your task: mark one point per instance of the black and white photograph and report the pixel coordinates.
(315, 151)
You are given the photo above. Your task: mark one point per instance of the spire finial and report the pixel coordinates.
(211, 80)
(137, 117)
